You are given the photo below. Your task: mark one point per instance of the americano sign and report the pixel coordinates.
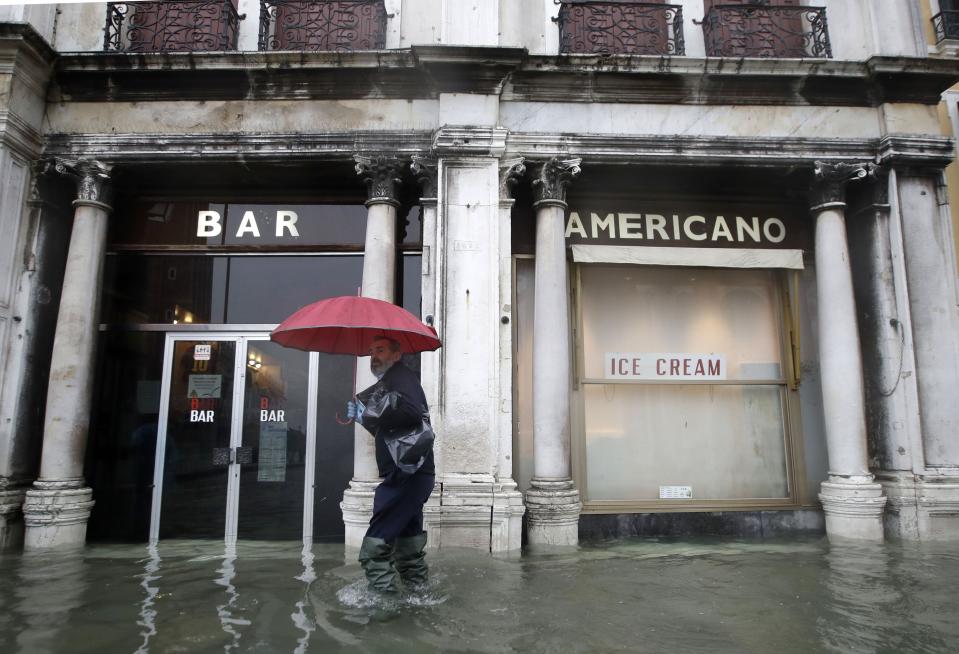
(661, 225)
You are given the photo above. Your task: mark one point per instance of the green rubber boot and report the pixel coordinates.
(375, 559)
(410, 559)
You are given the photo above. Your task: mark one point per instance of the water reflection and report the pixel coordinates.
(300, 620)
(225, 611)
(148, 613)
(717, 596)
(860, 611)
(49, 587)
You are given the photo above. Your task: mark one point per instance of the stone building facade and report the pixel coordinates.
(692, 264)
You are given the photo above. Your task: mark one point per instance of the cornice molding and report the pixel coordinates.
(932, 152)
(470, 141)
(20, 136)
(281, 147)
(426, 71)
(13, 37)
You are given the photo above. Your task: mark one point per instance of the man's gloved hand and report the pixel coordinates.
(354, 410)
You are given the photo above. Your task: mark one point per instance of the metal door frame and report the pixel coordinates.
(242, 340)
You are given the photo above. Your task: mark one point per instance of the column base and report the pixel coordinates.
(56, 515)
(475, 511)
(553, 509)
(922, 507)
(508, 510)
(853, 508)
(357, 508)
(11, 519)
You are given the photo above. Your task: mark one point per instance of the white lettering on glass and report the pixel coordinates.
(664, 365)
(286, 220)
(248, 224)
(208, 224)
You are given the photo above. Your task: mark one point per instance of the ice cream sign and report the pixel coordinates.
(664, 366)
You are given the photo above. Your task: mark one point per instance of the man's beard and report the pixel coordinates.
(379, 369)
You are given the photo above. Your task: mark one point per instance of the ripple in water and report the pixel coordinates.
(358, 595)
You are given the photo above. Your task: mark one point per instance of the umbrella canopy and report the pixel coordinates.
(349, 324)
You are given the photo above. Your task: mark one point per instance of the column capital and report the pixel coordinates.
(93, 179)
(510, 172)
(425, 170)
(382, 174)
(828, 188)
(878, 178)
(550, 179)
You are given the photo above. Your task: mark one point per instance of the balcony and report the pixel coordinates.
(766, 30)
(946, 24)
(171, 26)
(620, 27)
(331, 26)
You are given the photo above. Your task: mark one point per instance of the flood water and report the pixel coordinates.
(643, 595)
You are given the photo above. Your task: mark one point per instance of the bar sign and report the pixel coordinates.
(675, 492)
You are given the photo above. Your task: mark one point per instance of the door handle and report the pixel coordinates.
(224, 456)
(243, 455)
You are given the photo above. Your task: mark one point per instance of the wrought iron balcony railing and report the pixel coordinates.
(766, 30)
(946, 24)
(322, 25)
(620, 27)
(171, 25)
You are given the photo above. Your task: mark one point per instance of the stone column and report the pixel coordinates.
(57, 507)
(552, 501)
(425, 170)
(884, 328)
(508, 508)
(382, 176)
(852, 501)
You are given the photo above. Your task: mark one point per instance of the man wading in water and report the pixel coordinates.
(395, 541)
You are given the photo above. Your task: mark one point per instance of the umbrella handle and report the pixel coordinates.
(346, 422)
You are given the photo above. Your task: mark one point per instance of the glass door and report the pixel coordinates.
(237, 437)
(274, 444)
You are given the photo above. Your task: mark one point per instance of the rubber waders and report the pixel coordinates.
(410, 559)
(375, 558)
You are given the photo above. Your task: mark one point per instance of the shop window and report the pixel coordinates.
(683, 386)
(171, 26)
(765, 28)
(650, 27)
(325, 25)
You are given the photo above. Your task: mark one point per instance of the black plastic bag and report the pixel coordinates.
(408, 446)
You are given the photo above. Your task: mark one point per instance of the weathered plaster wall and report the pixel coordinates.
(418, 23)
(80, 27)
(231, 116)
(41, 17)
(770, 122)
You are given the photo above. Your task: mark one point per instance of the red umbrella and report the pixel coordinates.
(349, 324)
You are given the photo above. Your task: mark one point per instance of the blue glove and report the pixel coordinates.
(355, 411)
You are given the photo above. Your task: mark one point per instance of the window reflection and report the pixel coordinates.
(183, 289)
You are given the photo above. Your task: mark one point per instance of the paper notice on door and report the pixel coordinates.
(272, 461)
(207, 386)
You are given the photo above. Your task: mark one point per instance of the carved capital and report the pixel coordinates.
(425, 171)
(878, 178)
(382, 174)
(829, 182)
(92, 178)
(510, 172)
(551, 178)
